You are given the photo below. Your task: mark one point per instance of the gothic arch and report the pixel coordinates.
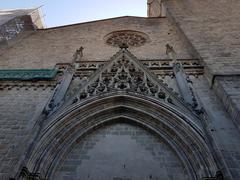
(176, 127)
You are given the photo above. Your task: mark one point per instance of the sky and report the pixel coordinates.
(63, 12)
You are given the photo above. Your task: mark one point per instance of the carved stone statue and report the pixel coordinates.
(171, 52)
(154, 8)
(78, 54)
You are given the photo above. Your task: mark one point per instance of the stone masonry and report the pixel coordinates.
(113, 106)
(154, 161)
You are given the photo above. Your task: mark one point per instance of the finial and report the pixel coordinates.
(123, 45)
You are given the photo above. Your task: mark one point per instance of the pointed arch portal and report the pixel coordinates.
(180, 136)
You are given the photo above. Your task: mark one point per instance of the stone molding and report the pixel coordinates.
(26, 175)
(162, 67)
(122, 89)
(27, 74)
(27, 85)
(176, 127)
(125, 72)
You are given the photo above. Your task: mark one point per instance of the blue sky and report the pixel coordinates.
(62, 12)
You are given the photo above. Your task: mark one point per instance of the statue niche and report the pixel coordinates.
(154, 8)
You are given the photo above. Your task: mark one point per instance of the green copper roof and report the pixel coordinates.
(27, 74)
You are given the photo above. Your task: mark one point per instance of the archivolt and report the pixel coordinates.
(175, 127)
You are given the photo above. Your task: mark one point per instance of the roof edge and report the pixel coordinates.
(94, 21)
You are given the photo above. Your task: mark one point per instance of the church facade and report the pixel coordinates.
(127, 98)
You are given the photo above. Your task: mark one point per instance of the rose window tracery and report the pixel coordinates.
(127, 37)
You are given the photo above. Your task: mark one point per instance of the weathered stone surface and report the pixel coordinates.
(186, 144)
(228, 90)
(224, 132)
(212, 27)
(45, 48)
(18, 108)
(121, 151)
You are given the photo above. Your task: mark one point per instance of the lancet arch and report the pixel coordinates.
(169, 123)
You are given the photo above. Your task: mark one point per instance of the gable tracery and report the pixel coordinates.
(160, 67)
(124, 73)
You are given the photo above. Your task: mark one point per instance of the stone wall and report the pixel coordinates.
(208, 29)
(212, 27)
(224, 135)
(228, 90)
(19, 107)
(121, 152)
(45, 48)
